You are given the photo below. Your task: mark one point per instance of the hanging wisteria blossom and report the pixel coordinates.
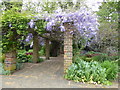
(84, 21)
(29, 37)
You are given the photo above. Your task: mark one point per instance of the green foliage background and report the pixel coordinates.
(108, 29)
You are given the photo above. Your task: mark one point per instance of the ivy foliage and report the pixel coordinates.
(14, 21)
(14, 25)
(40, 26)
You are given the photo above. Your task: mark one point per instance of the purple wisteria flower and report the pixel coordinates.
(31, 23)
(29, 37)
(10, 25)
(84, 21)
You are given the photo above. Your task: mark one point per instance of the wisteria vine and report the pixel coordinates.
(84, 21)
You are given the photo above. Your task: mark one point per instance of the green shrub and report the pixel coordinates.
(22, 57)
(111, 69)
(114, 58)
(76, 51)
(101, 57)
(86, 58)
(2, 71)
(42, 51)
(30, 60)
(31, 50)
(92, 52)
(97, 56)
(19, 66)
(82, 71)
(94, 56)
(2, 58)
(104, 57)
(40, 60)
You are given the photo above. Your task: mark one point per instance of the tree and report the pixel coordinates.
(37, 28)
(108, 19)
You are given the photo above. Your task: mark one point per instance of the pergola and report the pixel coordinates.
(10, 61)
(54, 35)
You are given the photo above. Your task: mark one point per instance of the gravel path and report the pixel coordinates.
(48, 74)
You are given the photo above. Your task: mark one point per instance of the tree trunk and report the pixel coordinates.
(35, 48)
(47, 49)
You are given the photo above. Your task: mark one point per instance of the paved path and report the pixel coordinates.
(48, 74)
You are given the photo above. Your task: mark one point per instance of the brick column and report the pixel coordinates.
(68, 46)
(10, 61)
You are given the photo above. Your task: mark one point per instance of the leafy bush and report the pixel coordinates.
(40, 60)
(14, 24)
(104, 57)
(2, 58)
(82, 71)
(86, 58)
(22, 58)
(31, 50)
(19, 66)
(111, 69)
(114, 58)
(92, 52)
(42, 51)
(2, 71)
(97, 56)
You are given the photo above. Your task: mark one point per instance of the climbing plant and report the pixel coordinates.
(14, 25)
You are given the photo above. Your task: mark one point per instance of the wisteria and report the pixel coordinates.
(82, 20)
(29, 37)
(31, 23)
(29, 40)
(10, 25)
(85, 21)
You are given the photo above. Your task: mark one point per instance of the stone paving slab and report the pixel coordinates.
(48, 74)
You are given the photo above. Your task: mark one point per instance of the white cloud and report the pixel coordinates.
(94, 4)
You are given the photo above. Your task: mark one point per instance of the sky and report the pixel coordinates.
(94, 4)
(90, 3)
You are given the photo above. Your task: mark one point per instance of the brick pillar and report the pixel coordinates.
(68, 46)
(10, 61)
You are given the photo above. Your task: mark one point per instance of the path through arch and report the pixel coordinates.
(48, 74)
